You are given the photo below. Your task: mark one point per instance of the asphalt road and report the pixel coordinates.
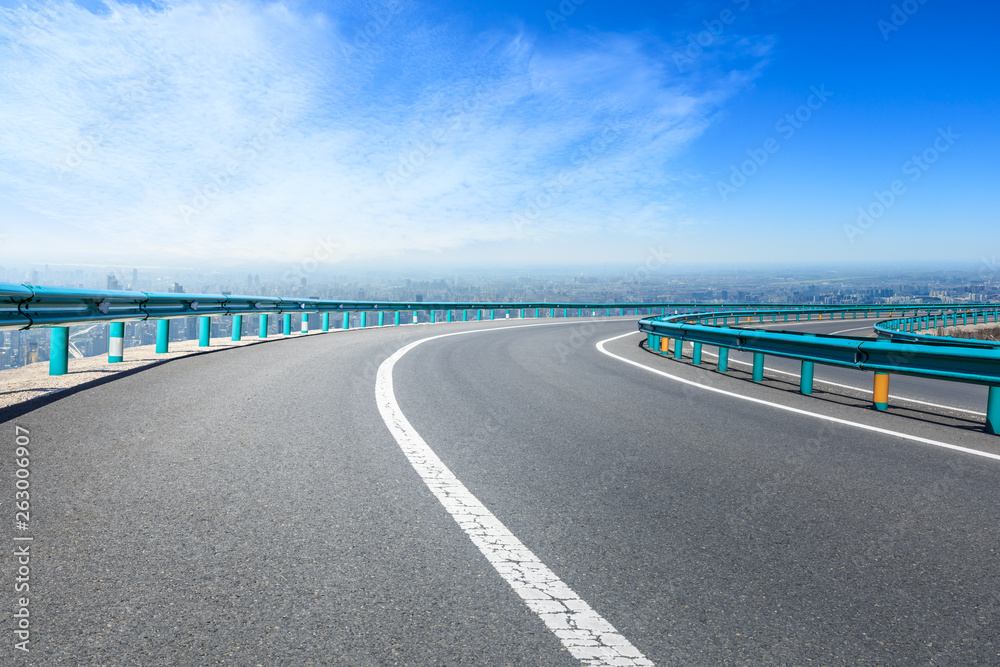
(251, 507)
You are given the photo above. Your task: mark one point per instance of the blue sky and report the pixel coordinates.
(450, 132)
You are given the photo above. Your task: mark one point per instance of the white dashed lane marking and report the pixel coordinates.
(585, 633)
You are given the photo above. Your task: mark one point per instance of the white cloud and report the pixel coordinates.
(250, 131)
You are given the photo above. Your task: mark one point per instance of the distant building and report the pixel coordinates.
(113, 282)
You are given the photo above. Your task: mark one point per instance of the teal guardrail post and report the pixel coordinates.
(305, 323)
(723, 359)
(651, 341)
(237, 327)
(774, 318)
(809, 316)
(796, 317)
(116, 342)
(786, 317)
(465, 316)
(262, 321)
(204, 331)
(678, 348)
(326, 321)
(493, 314)
(993, 411)
(364, 320)
(347, 320)
(396, 319)
(696, 356)
(449, 315)
(965, 319)
(758, 366)
(433, 317)
(479, 315)
(806, 377)
(286, 324)
(880, 392)
(381, 318)
(162, 336)
(58, 350)
(607, 312)
(536, 313)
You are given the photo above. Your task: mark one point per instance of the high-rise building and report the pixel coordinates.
(113, 282)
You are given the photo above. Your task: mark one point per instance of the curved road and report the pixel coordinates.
(251, 507)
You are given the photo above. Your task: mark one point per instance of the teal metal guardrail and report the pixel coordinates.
(908, 329)
(30, 306)
(955, 359)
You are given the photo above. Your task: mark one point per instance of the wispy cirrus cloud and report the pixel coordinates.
(248, 130)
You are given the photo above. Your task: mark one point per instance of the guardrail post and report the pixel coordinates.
(286, 324)
(162, 336)
(465, 316)
(449, 315)
(326, 321)
(607, 312)
(678, 348)
(880, 393)
(479, 315)
(652, 342)
(58, 350)
(433, 317)
(347, 320)
(806, 377)
(796, 317)
(993, 411)
(536, 313)
(204, 331)
(493, 314)
(965, 319)
(696, 357)
(758, 366)
(364, 319)
(664, 346)
(786, 317)
(381, 318)
(237, 327)
(116, 342)
(723, 359)
(305, 323)
(396, 319)
(262, 333)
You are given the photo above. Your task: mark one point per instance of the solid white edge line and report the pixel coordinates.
(585, 633)
(786, 408)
